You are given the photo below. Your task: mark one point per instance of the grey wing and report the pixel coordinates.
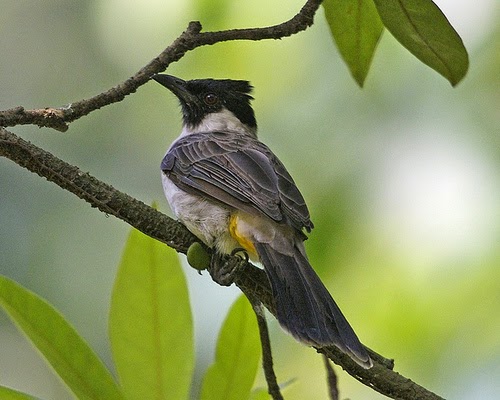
(242, 173)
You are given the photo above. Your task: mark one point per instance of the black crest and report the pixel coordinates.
(200, 97)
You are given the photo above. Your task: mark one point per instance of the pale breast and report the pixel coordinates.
(205, 219)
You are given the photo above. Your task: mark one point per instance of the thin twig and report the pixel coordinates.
(267, 355)
(331, 378)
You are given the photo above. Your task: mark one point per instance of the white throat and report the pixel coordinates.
(222, 121)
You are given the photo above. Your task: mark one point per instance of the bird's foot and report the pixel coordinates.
(224, 268)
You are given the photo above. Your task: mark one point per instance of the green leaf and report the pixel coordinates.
(421, 27)
(11, 394)
(70, 356)
(237, 356)
(150, 326)
(356, 28)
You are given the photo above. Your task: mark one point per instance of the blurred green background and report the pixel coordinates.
(402, 180)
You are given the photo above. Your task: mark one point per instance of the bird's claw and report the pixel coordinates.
(238, 251)
(224, 268)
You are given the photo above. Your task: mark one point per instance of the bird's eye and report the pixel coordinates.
(211, 99)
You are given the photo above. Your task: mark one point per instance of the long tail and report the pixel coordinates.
(304, 306)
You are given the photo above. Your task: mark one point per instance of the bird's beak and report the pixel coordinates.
(176, 85)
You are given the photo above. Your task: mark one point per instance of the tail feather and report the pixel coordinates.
(304, 307)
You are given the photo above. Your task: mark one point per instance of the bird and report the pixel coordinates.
(232, 192)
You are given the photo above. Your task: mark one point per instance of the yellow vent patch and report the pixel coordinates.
(243, 241)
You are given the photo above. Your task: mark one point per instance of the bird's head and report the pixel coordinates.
(213, 104)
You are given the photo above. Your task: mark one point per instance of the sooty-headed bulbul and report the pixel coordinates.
(232, 192)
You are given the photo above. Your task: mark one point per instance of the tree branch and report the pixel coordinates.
(251, 280)
(190, 39)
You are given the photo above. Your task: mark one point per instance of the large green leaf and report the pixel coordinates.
(11, 394)
(73, 360)
(150, 324)
(421, 27)
(237, 356)
(356, 28)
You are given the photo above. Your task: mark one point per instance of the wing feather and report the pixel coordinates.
(238, 171)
